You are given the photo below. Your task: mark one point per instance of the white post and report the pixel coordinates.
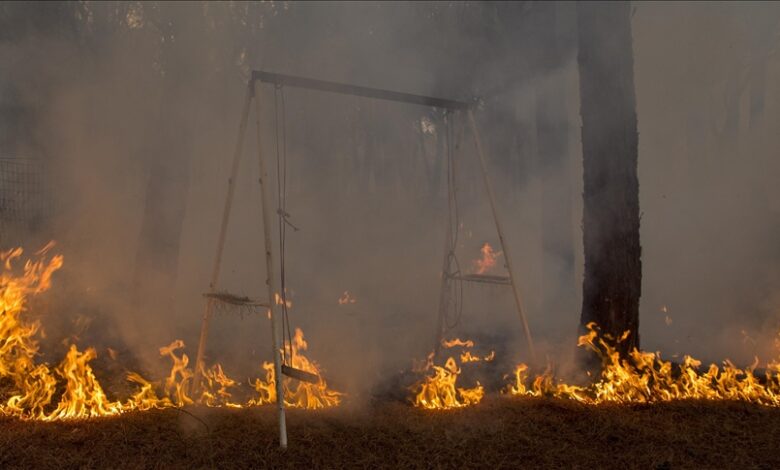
(270, 279)
(504, 246)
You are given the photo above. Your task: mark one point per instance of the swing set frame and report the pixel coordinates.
(275, 298)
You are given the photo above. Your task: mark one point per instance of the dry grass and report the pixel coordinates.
(499, 433)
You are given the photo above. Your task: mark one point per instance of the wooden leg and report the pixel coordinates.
(504, 247)
(204, 327)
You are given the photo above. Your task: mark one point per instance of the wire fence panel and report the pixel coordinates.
(25, 196)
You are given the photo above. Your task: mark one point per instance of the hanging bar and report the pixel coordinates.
(345, 89)
(233, 299)
(483, 278)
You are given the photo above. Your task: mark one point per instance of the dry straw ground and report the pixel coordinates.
(499, 433)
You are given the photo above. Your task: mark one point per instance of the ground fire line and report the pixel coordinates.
(31, 387)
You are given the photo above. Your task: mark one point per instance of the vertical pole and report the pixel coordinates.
(504, 247)
(452, 189)
(270, 279)
(445, 286)
(204, 327)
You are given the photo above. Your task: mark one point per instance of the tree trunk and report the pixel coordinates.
(157, 255)
(613, 266)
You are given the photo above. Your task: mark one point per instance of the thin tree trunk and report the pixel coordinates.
(157, 257)
(157, 254)
(613, 267)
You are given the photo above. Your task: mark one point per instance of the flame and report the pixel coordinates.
(439, 391)
(178, 382)
(72, 391)
(488, 259)
(279, 301)
(346, 298)
(215, 377)
(297, 394)
(33, 385)
(644, 377)
(83, 397)
(215, 386)
(468, 357)
(145, 398)
(266, 389)
(457, 342)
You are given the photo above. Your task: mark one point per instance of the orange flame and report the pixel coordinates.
(644, 377)
(33, 386)
(439, 390)
(346, 298)
(488, 259)
(457, 342)
(297, 394)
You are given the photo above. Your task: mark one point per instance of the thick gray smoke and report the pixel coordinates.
(159, 92)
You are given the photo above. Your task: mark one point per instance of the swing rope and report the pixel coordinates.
(456, 297)
(281, 192)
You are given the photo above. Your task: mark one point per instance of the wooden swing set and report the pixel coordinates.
(275, 303)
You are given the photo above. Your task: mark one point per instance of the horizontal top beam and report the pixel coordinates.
(346, 89)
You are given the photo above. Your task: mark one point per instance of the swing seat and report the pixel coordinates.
(301, 375)
(233, 299)
(244, 301)
(484, 278)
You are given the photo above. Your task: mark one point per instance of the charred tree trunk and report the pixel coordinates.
(613, 266)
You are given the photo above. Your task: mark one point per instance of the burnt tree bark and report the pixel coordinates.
(613, 266)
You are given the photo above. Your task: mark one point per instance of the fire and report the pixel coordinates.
(83, 397)
(215, 378)
(72, 391)
(439, 391)
(216, 387)
(468, 357)
(346, 298)
(645, 377)
(178, 382)
(488, 259)
(457, 342)
(297, 394)
(33, 387)
(266, 389)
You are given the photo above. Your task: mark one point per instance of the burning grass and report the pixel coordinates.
(644, 377)
(439, 389)
(30, 389)
(501, 432)
(698, 418)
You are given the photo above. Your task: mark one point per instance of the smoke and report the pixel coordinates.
(153, 89)
(706, 117)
